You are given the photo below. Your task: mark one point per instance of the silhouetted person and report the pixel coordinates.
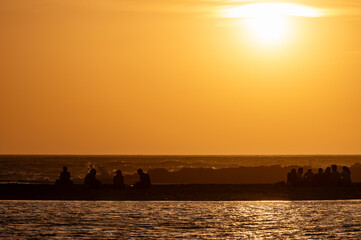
(346, 176)
(64, 178)
(91, 181)
(118, 180)
(308, 177)
(335, 175)
(292, 178)
(318, 178)
(144, 180)
(299, 177)
(327, 176)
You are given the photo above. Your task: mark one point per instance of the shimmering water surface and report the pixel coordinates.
(184, 220)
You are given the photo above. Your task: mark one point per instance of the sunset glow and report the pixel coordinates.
(180, 77)
(268, 21)
(187, 119)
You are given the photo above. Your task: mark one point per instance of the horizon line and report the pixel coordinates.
(175, 155)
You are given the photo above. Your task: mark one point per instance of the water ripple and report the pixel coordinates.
(183, 220)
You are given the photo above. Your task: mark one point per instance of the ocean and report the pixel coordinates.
(180, 220)
(46, 168)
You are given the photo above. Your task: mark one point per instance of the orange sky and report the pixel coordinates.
(176, 77)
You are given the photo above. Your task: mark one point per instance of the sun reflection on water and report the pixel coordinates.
(186, 220)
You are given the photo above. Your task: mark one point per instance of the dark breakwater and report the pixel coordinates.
(180, 192)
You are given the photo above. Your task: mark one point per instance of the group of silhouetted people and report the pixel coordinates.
(329, 177)
(92, 182)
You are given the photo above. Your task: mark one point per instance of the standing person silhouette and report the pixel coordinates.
(308, 177)
(327, 177)
(335, 175)
(292, 178)
(346, 176)
(300, 177)
(318, 178)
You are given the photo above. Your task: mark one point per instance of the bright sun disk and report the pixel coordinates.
(268, 21)
(267, 28)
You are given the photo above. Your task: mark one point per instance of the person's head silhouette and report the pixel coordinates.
(65, 169)
(118, 172)
(93, 171)
(334, 168)
(320, 170)
(140, 171)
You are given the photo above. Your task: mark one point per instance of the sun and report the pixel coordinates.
(269, 22)
(267, 29)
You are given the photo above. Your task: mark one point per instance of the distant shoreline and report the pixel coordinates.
(180, 192)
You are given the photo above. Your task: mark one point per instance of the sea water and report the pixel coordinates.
(180, 220)
(46, 168)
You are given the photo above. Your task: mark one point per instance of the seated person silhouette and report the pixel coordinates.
(318, 178)
(346, 176)
(91, 181)
(118, 180)
(64, 178)
(335, 175)
(144, 180)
